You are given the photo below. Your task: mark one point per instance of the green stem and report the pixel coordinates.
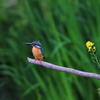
(95, 58)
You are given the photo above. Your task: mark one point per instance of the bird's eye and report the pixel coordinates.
(33, 44)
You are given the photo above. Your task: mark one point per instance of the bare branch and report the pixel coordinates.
(64, 69)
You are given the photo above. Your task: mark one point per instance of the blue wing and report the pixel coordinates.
(42, 51)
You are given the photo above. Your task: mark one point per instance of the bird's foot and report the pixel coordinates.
(38, 60)
(35, 60)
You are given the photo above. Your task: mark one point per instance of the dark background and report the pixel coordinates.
(63, 27)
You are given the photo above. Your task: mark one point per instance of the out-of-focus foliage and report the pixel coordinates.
(63, 27)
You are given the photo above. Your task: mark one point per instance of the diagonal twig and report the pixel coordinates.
(64, 69)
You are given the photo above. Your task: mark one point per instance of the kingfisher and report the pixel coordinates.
(37, 50)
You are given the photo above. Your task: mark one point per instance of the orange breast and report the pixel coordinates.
(37, 53)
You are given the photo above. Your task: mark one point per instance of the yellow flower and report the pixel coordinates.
(89, 46)
(94, 48)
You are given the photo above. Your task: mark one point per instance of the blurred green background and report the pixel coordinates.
(63, 27)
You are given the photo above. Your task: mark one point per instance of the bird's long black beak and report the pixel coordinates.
(28, 43)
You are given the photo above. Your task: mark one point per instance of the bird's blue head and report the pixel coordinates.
(35, 44)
